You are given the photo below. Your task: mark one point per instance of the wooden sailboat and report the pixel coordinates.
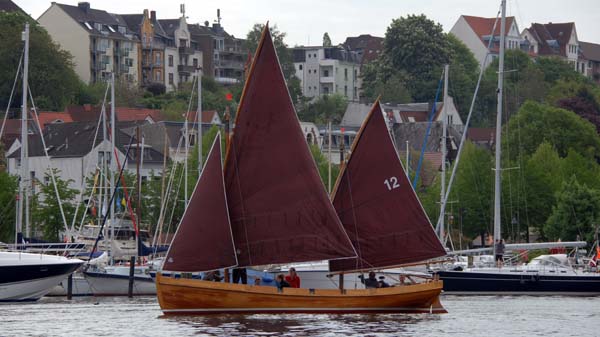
(269, 206)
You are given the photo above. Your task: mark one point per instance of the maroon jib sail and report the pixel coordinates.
(279, 209)
(378, 206)
(203, 239)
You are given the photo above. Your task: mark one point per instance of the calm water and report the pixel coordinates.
(468, 316)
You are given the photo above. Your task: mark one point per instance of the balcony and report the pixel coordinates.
(151, 64)
(97, 50)
(327, 79)
(122, 52)
(186, 50)
(124, 69)
(236, 65)
(186, 69)
(226, 80)
(98, 66)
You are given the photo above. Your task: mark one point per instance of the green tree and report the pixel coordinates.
(323, 166)
(323, 109)
(537, 123)
(8, 192)
(47, 212)
(462, 75)
(52, 79)
(283, 53)
(326, 40)
(576, 213)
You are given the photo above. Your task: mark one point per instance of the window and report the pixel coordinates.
(345, 90)
(326, 73)
(195, 62)
(157, 59)
(170, 60)
(170, 78)
(345, 74)
(309, 56)
(326, 90)
(315, 55)
(158, 76)
(354, 94)
(299, 67)
(355, 74)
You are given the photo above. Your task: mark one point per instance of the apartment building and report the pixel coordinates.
(476, 32)
(328, 70)
(100, 42)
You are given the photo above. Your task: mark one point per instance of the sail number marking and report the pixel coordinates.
(391, 183)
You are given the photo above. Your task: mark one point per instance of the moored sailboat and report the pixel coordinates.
(260, 211)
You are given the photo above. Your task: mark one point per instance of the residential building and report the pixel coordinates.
(9, 6)
(225, 55)
(328, 70)
(483, 137)
(403, 113)
(367, 46)
(75, 150)
(476, 32)
(589, 60)
(554, 39)
(100, 42)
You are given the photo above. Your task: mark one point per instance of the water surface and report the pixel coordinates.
(467, 316)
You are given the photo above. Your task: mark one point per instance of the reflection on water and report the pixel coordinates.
(468, 316)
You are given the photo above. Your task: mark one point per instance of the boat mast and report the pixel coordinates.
(199, 120)
(329, 157)
(185, 159)
(444, 155)
(24, 181)
(498, 186)
(113, 163)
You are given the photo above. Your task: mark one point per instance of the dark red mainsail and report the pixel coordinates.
(378, 206)
(203, 240)
(279, 209)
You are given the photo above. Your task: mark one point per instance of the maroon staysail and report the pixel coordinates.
(378, 206)
(279, 209)
(203, 239)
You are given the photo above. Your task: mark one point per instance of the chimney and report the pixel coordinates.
(84, 6)
(153, 16)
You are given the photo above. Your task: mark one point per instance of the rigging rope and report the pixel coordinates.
(430, 121)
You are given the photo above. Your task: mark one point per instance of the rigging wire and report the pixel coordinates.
(12, 93)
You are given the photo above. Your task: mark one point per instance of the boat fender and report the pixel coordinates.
(311, 291)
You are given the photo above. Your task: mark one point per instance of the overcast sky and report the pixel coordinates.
(306, 21)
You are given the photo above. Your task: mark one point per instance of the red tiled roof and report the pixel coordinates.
(137, 114)
(481, 134)
(483, 26)
(48, 117)
(561, 32)
(207, 116)
(590, 51)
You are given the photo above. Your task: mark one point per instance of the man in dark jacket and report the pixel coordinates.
(371, 282)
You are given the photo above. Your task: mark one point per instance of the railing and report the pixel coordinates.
(185, 68)
(186, 50)
(99, 65)
(122, 52)
(97, 50)
(124, 68)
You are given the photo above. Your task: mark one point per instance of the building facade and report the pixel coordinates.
(476, 32)
(100, 42)
(328, 70)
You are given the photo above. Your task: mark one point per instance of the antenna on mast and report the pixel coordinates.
(218, 16)
(182, 9)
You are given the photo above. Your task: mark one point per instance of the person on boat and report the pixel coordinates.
(257, 281)
(292, 278)
(240, 274)
(499, 248)
(280, 282)
(382, 283)
(212, 276)
(371, 282)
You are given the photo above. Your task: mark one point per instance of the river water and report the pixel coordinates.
(467, 316)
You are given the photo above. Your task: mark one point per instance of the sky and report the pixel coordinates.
(305, 21)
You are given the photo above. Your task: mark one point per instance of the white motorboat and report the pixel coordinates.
(28, 277)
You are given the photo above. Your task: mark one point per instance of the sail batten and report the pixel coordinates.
(279, 209)
(203, 240)
(378, 206)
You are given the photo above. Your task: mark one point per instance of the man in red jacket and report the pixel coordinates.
(292, 278)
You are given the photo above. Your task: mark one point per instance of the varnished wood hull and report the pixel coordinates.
(189, 296)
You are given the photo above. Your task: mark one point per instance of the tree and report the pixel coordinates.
(323, 166)
(324, 109)
(283, 53)
(47, 211)
(52, 79)
(576, 213)
(462, 75)
(536, 123)
(8, 192)
(326, 40)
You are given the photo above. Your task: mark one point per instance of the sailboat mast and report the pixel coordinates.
(113, 166)
(199, 120)
(498, 172)
(329, 157)
(24, 181)
(444, 155)
(185, 159)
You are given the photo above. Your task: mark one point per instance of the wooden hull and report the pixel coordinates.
(189, 296)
